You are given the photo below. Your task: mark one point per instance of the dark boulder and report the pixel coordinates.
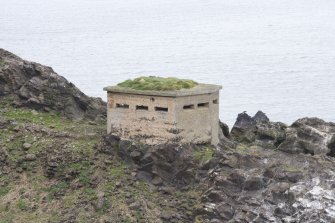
(260, 117)
(244, 129)
(225, 129)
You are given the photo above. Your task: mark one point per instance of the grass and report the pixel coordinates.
(158, 83)
(2, 63)
(117, 171)
(36, 198)
(57, 189)
(203, 155)
(22, 205)
(8, 218)
(4, 191)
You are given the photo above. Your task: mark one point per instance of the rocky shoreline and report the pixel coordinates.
(58, 165)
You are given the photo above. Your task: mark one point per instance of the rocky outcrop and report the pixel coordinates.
(163, 164)
(258, 130)
(36, 86)
(262, 185)
(310, 135)
(265, 173)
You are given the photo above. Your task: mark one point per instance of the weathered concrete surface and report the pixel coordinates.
(193, 118)
(197, 90)
(148, 126)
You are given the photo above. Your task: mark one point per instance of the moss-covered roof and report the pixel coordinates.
(153, 83)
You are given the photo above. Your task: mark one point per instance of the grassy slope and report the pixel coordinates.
(88, 186)
(158, 83)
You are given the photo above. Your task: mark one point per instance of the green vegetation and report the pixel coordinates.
(158, 83)
(86, 183)
(2, 63)
(22, 205)
(4, 191)
(203, 155)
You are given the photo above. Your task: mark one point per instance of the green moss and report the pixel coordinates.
(57, 189)
(22, 205)
(2, 63)
(291, 168)
(85, 145)
(158, 83)
(8, 218)
(4, 191)
(90, 193)
(204, 154)
(54, 121)
(117, 171)
(82, 169)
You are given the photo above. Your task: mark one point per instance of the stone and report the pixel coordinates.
(30, 157)
(258, 130)
(167, 215)
(99, 202)
(135, 205)
(283, 186)
(244, 128)
(225, 129)
(136, 155)
(309, 135)
(26, 146)
(226, 211)
(157, 181)
(260, 117)
(254, 183)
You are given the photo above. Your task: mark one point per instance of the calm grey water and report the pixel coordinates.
(273, 55)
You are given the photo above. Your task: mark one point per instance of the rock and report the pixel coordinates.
(309, 135)
(125, 148)
(260, 117)
(110, 144)
(38, 87)
(225, 129)
(258, 130)
(157, 181)
(135, 205)
(244, 129)
(30, 157)
(254, 183)
(136, 155)
(213, 196)
(226, 211)
(98, 204)
(167, 215)
(34, 112)
(283, 186)
(291, 176)
(26, 146)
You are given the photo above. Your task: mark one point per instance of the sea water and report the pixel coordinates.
(277, 56)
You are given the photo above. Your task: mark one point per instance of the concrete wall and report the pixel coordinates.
(198, 124)
(148, 126)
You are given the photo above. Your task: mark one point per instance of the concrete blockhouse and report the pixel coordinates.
(154, 117)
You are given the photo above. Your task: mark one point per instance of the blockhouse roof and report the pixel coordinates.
(197, 90)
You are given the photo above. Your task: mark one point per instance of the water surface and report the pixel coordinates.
(274, 55)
